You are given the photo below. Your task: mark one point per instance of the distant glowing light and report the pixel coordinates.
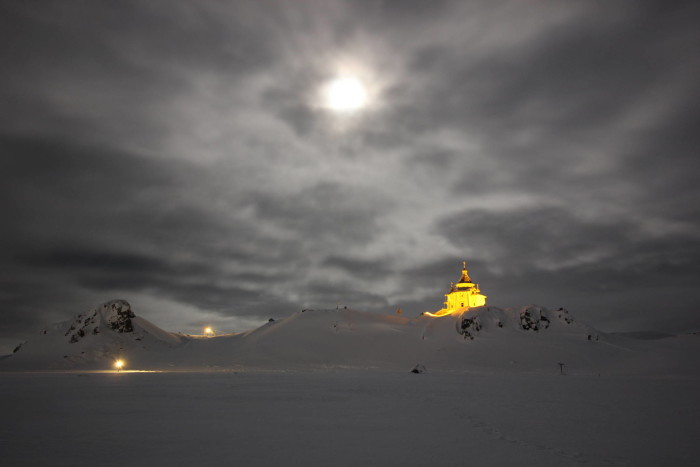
(208, 332)
(119, 364)
(345, 94)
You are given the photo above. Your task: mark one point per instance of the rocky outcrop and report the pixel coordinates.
(531, 318)
(119, 315)
(468, 327)
(115, 315)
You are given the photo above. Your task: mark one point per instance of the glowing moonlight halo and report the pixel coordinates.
(345, 94)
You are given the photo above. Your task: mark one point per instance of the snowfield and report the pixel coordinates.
(347, 417)
(335, 387)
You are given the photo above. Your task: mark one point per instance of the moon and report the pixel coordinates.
(345, 94)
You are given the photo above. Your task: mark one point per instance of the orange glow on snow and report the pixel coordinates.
(438, 314)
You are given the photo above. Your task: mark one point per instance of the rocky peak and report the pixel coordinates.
(115, 315)
(118, 314)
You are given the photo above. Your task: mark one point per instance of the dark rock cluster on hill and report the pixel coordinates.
(528, 318)
(468, 327)
(119, 318)
(115, 314)
(533, 319)
(77, 329)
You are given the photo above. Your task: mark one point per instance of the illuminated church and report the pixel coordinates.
(463, 294)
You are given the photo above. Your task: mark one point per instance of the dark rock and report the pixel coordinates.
(467, 327)
(528, 321)
(121, 320)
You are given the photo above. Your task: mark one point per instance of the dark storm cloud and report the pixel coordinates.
(574, 84)
(321, 211)
(113, 221)
(374, 269)
(58, 190)
(177, 152)
(287, 101)
(556, 239)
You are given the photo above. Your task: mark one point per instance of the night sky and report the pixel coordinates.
(180, 155)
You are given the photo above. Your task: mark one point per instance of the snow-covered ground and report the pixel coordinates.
(347, 417)
(526, 339)
(334, 387)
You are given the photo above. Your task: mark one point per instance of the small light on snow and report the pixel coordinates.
(119, 364)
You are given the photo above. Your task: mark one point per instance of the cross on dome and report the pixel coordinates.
(464, 278)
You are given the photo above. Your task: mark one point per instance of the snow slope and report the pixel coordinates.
(526, 339)
(92, 339)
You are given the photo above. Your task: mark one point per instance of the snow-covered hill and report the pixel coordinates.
(92, 340)
(526, 339)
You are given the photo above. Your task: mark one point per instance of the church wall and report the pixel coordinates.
(457, 300)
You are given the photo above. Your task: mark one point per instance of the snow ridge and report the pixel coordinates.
(525, 339)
